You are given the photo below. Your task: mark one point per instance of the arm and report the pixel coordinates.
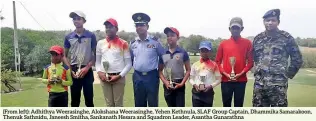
(131, 53)
(217, 77)
(162, 77)
(66, 49)
(296, 58)
(186, 60)
(93, 47)
(98, 66)
(192, 75)
(249, 58)
(219, 58)
(127, 60)
(68, 81)
(45, 79)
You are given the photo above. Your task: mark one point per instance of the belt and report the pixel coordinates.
(145, 73)
(114, 74)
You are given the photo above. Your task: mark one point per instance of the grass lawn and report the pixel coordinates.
(301, 93)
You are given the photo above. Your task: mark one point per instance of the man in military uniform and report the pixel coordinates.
(145, 52)
(271, 49)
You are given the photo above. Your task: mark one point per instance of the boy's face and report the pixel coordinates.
(110, 30)
(205, 53)
(172, 38)
(55, 58)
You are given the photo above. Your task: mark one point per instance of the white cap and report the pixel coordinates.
(78, 13)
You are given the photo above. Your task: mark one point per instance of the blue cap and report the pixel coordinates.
(272, 13)
(205, 44)
(141, 18)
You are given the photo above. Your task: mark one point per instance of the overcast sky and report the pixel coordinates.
(209, 18)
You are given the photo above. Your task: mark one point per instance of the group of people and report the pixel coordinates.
(114, 57)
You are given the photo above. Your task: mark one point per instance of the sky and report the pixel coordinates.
(209, 18)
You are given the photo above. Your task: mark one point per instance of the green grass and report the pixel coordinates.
(301, 93)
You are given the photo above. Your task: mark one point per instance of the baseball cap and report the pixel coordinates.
(58, 49)
(172, 29)
(77, 13)
(111, 21)
(205, 44)
(236, 21)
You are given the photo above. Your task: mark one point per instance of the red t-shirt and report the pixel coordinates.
(241, 49)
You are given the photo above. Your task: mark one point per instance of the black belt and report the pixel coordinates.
(114, 74)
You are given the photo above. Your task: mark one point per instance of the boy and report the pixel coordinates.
(113, 62)
(204, 76)
(57, 76)
(175, 59)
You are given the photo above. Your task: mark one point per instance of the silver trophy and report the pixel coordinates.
(80, 58)
(169, 77)
(202, 79)
(232, 61)
(54, 78)
(106, 66)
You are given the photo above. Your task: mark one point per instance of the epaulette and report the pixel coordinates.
(155, 38)
(65, 67)
(286, 34)
(45, 67)
(259, 36)
(131, 42)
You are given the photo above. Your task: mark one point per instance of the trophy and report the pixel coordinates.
(106, 66)
(169, 77)
(80, 58)
(232, 61)
(54, 78)
(202, 78)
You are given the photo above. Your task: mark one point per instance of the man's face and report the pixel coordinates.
(78, 21)
(235, 31)
(110, 30)
(55, 58)
(205, 53)
(271, 23)
(141, 28)
(172, 38)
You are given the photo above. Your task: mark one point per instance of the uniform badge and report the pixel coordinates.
(177, 57)
(273, 13)
(139, 18)
(151, 46)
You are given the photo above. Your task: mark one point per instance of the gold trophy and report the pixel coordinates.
(202, 79)
(232, 61)
(54, 78)
(106, 66)
(80, 58)
(169, 77)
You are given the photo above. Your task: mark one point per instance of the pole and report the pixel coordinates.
(16, 47)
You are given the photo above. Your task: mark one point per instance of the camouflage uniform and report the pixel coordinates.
(271, 68)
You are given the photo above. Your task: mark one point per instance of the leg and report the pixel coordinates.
(239, 94)
(139, 91)
(180, 97)
(51, 99)
(169, 97)
(259, 97)
(88, 88)
(108, 94)
(118, 92)
(75, 91)
(227, 94)
(65, 99)
(152, 82)
(196, 99)
(278, 96)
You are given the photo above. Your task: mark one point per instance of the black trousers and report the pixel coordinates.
(85, 83)
(233, 88)
(175, 98)
(202, 99)
(58, 99)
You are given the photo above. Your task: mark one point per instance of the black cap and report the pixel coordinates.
(272, 13)
(141, 18)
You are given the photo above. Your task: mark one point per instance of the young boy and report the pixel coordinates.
(175, 59)
(57, 76)
(204, 76)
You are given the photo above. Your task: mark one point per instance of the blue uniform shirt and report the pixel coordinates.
(145, 54)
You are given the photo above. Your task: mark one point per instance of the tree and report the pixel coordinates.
(193, 43)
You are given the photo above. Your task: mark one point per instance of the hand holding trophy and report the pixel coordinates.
(169, 77)
(232, 61)
(54, 78)
(80, 58)
(106, 65)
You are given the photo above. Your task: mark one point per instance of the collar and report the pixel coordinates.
(115, 38)
(57, 64)
(205, 61)
(147, 38)
(276, 35)
(176, 50)
(84, 34)
(232, 38)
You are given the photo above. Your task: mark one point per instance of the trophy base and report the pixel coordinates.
(202, 87)
(172, 85)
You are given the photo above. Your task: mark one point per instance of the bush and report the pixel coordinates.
(309, 59)
(8, 78)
